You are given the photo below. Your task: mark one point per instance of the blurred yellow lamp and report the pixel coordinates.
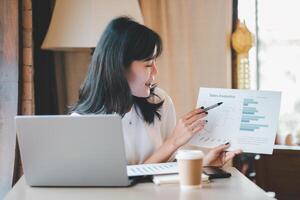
(242, 41)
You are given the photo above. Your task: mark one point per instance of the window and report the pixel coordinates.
(275, 58)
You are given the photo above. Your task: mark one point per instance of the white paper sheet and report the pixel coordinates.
(173, 178)
(247, 119)
(152, 169)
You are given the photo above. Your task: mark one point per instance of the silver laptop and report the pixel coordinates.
(65, 150)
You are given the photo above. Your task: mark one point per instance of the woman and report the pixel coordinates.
(120, 80)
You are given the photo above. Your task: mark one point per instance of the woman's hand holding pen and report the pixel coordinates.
(187, 126)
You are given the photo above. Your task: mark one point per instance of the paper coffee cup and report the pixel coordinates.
(190, 168)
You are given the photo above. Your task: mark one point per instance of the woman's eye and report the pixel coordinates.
(150, 64)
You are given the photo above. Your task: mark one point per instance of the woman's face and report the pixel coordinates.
(141, 77)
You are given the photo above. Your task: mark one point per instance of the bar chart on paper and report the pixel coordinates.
(251, 121)
(247, 119)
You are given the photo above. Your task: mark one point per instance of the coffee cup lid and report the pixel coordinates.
(189, 154)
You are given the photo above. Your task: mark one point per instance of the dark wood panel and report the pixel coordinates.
(9, 66)
(280, 173)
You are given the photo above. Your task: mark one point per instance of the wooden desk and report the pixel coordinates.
(236, 187)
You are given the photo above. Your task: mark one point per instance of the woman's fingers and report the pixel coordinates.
(192, 113)
(219, 149)
(231, 154)
(197, 129)
(194, 118)
(197, 126)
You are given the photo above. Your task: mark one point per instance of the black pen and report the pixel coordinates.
(211, 107)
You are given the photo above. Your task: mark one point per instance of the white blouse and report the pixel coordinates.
(142, 139)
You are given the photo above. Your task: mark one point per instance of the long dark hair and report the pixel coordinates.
(105, 88)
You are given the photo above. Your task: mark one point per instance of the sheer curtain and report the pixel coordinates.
(196, 37)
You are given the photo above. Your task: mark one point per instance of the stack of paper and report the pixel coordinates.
(172, 178)
(163, 173)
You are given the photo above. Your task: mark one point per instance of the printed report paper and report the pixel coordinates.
(248, 119)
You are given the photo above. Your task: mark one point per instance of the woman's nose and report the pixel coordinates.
(154, 68)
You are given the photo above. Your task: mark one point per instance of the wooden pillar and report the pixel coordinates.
(27, 103)
(27, 72)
